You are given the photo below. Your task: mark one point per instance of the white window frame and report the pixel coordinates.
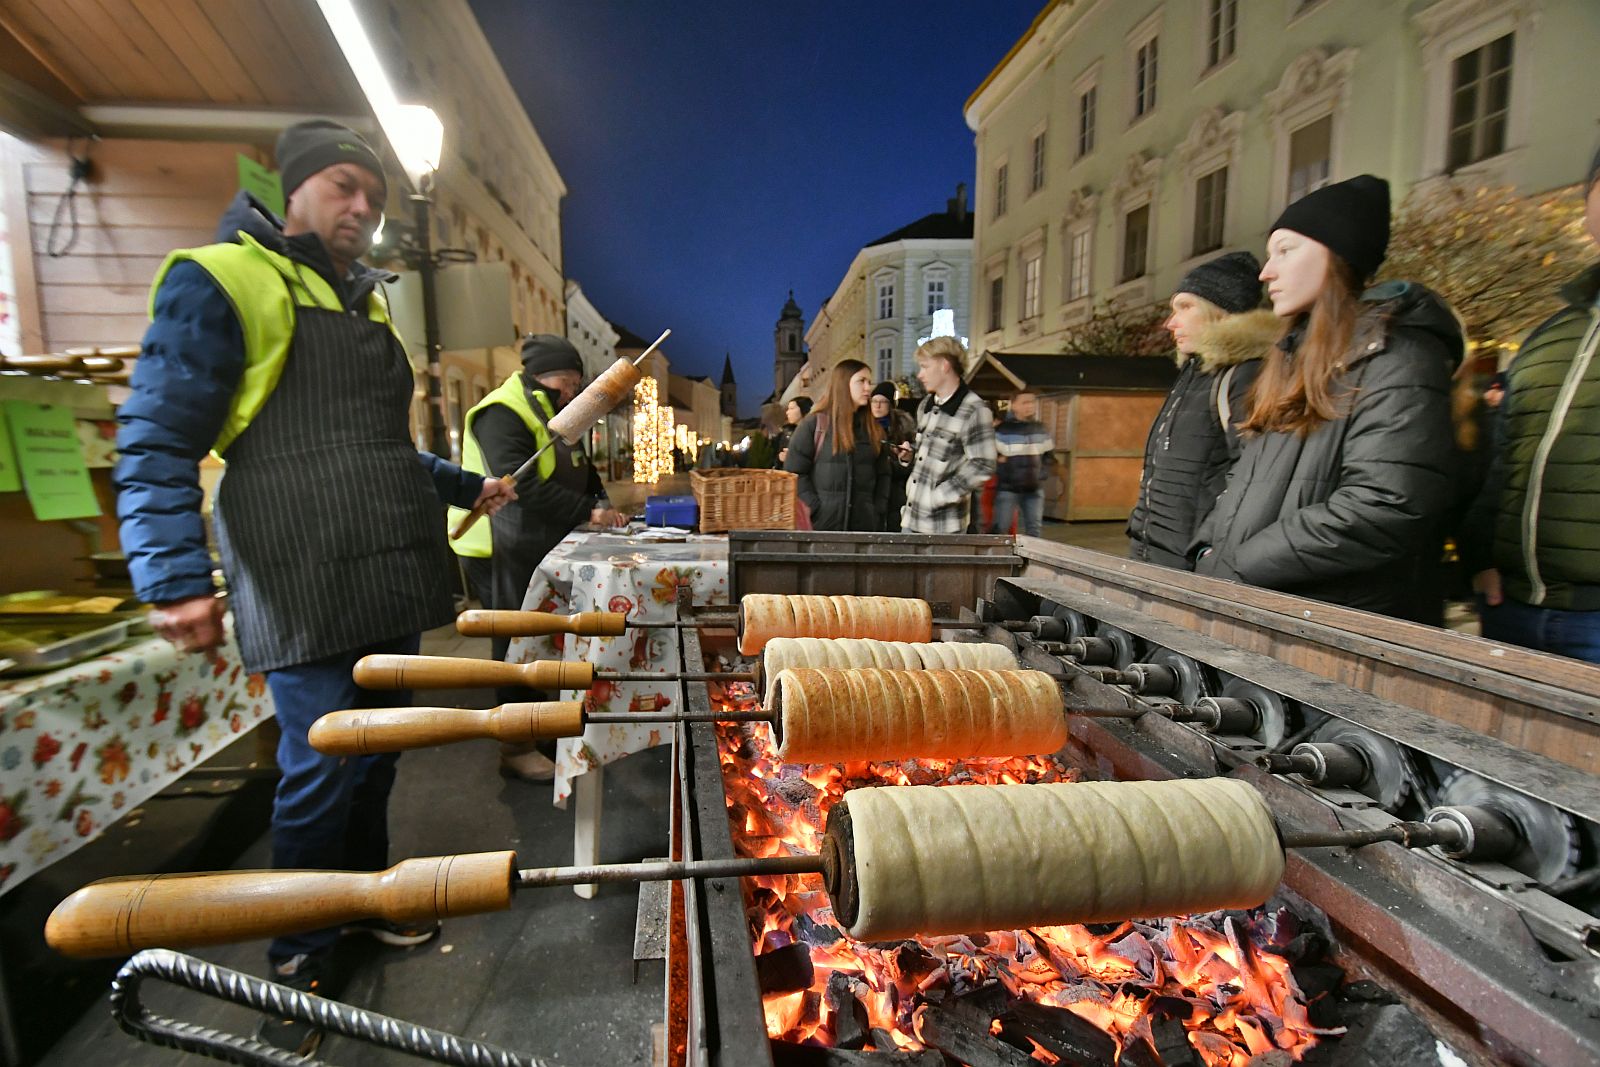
(1147, 31)
(1315, 84)
(1213, 142)
(935, 274)
(1000, 190)
(1087, 82)
(1071, 235)
(886, 341)
(994, 311)
(1289, 136)
(1135, 186)
(1030, 290)
(1038, 159)
(884, 295)
(1450, 29)
(1203, 40)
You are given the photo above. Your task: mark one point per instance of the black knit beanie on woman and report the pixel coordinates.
(1350, 217)
(1231, 281)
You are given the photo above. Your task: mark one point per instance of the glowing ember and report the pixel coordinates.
(1235, 999)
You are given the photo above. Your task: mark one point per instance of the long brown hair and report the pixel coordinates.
(1296, 396)
(842, 410)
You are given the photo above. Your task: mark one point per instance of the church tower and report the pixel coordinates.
(730, 388)
(790, 349)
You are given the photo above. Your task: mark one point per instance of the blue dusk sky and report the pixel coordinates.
(718, 154)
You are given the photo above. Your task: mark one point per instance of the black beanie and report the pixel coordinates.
(307, 147)
(1230, 281)
(886, 389)
(544, 353)
(1350, 217)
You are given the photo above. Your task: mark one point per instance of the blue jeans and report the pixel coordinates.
(1566, 633)
(330, 812)
(1008, 504)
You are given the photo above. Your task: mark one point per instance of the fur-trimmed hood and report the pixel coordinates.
(1235, 339)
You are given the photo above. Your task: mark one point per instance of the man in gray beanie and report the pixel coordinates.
(1532, 539)
(274, 349)
(563, 491)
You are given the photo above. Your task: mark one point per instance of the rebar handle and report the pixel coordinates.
(364, 731)
(121, 915)
(539, 623)
(452, 672)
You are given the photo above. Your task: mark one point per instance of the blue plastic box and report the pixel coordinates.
(671, 511)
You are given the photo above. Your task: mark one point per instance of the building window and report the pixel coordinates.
(1480, 97)
(1221, 30)
(1210, 210)
(936, 295)
(1031, 268)
(1036, 179)
(1144, 78)
(1000, 189)
(885, 361)
(1086, 106)
(1135, 243)
(997, 297)
(1310, 157)
(886, 300)
(1078, 265)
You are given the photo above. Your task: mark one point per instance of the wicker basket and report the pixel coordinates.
(739, 499)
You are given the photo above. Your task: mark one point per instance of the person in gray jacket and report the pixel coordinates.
(1347, 475)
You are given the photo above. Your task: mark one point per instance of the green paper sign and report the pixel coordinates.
(51, 461)
(10, 480)
(264, 183)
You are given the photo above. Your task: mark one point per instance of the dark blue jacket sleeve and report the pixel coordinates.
(455, 486)
(183, 384)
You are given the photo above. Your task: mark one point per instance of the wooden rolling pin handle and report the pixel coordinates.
(364, 731)
(123, 915)
(467, 522)
(539, 623)
(557, 674)
(435, 672)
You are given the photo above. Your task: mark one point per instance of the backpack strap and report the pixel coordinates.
(1221, 402)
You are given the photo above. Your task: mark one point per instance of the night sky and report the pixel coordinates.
(717, 154)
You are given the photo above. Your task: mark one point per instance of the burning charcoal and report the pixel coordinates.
(977, 1009)
(1385, 1034)
(785, 970)
(1078, 1042)
(1276, 1058)
(786, 1055)
(1136, 950)
(849, 1014)
(812, 932)
(911, 961)
(795, 791)
(1310, 945)
(976, 1049)
(1169, 1008)
(1170, 1040)
(1315, 979)
(1366, 992)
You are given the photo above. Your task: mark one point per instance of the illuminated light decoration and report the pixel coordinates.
(652, 434)
(944, 325)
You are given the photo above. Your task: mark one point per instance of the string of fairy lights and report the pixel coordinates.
(653, 434)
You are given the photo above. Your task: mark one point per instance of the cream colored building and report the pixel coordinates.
(885, 302)
(1121, 142)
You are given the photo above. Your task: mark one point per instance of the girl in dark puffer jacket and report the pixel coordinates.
(1347, 473)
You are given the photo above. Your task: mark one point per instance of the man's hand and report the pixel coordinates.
(1487, 584)
(496, 494)
(607, 517)
(193, 625)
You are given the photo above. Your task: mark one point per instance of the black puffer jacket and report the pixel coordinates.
(1187, 456)
(1353, 512)
(844, 492)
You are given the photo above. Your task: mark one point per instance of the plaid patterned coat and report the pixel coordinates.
(955, 456)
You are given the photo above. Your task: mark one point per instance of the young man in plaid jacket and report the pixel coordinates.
(955, 451)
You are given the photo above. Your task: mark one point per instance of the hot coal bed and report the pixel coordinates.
(1378, 952)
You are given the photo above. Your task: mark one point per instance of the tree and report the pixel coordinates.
(1497, 257)
(1117, 329)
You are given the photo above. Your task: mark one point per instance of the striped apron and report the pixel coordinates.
(332, 536)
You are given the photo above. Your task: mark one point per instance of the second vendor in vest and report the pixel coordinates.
(562, 492)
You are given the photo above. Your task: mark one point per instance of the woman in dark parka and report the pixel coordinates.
(838, 452)
(1348, 470)
(1221, 334)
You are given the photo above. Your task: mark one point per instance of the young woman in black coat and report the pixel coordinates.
(1348, 468)
(838, 452)
(797, 409)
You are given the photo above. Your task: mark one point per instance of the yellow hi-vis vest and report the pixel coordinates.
(478, 542)
(264, 288)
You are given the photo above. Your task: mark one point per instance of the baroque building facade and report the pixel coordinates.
(1119, 144)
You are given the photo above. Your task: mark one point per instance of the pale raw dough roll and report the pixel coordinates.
(596, 401)
(781, 653)
(974, 858)
(828, 715)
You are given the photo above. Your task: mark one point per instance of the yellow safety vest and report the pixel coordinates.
(478, 542)
(264, 288)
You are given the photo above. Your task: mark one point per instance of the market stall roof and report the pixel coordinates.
(86, 64)
(998, 374)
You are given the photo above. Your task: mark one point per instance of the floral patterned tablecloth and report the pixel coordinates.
(610, 572)
(81, 746)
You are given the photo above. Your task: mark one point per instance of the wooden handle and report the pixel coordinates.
(446, 672)
(122, 915)
(364, 731)
(467, 521)
(539, 623)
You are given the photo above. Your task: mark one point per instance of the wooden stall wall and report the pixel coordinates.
(1100, 438)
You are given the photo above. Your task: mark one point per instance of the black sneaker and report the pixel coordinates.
(308, 974)
(399, 935)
